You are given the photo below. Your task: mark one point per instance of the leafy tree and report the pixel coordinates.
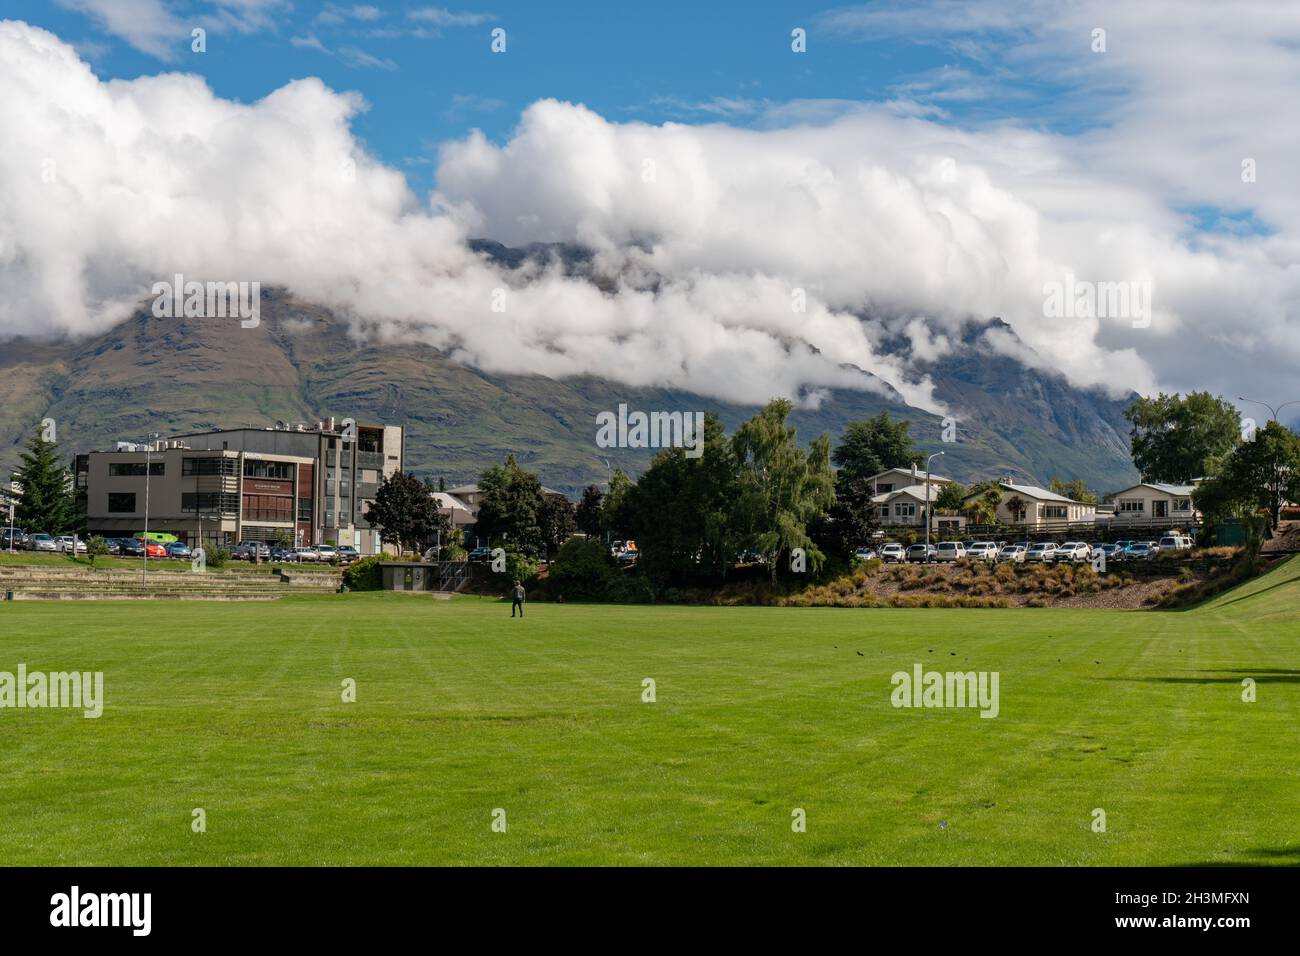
(1259, 475)
(557, 521)
(404, 511)
(511, 507)
(1077, 490)
(850, 522)
(950, 497)
(681, 510)
(871, 445)
(1016, 507)
(984, 508)
(583, 570)
(1175, 439)
(781, 487)
(587, 514)
(95, 547)
(615, 514)
(46, 503)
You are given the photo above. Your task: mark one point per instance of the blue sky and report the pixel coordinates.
(429, 75)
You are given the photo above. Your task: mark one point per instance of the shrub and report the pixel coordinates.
(582, 571)
(218, 556)
(364, 574)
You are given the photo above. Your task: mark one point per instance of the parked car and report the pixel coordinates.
(1122, 549)
(67, 543)
(1175, 542)
(19, 539)
(42, 542)
(154, 550)
(748, 556)
(281, 555)
(949, 551)
(982, 550)
(251, 550)
(1042, 552)
(923, 553)
(178, 549)
(326, 552)
(306, 553)
(130, 547)
(1141, 551)
(1111, 551)
(865, 554)
(481, 554)
(1073, 551)
(1012, 552)
(893, 552)
(348, 553)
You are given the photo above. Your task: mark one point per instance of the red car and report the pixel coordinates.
(153, 549)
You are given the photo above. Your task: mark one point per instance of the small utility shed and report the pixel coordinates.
(409, 576)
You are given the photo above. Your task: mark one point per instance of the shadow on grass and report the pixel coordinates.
(1263, 677)
(1260, 856)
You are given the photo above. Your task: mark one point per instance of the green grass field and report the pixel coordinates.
(236, 708)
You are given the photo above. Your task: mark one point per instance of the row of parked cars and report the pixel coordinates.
(1025, 552)
(255, 551)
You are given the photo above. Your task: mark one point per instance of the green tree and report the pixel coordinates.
(615, 513)
(1175, 439)
(871, 445)
(557, 521)
(1259, 475)
(781, 487)
(587, 514)
(95, 547)
(681, 510)
(983, 509)
(582, 570)
(850, 522)
(46, 504)
(511, 506)
(1077, 490)
(404, 511)
(950, 497)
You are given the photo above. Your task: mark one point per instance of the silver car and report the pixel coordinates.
(42, 542)
(1040, 551)
(1012, 552)
(950, 551)
(1073, 551)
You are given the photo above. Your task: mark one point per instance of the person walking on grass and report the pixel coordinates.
(517, 599)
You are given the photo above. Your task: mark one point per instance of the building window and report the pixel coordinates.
(209, 501)
(1132, 505)
(191, 467)
(904, 509)
(279, 470)
(304, 509)
(1182, 504)
(268, 508)
(1054, 511)
(134, 469)
(121, 503)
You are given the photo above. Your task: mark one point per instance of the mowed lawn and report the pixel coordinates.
(236, 709)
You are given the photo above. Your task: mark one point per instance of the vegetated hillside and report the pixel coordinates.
(158, 375)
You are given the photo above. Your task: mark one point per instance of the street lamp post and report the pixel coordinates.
(1272, 411)
(148, 467)
(927, 502)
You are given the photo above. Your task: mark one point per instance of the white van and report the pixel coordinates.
(950, 551)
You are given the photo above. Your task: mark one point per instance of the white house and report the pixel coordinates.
(1154, 503)
(895, 479)
(905, 508)
(1037, 508)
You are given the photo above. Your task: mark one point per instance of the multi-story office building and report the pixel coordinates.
(309, 483)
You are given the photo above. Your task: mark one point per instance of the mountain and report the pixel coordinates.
(302, 362)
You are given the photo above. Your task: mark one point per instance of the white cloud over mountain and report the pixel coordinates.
(704, 232)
